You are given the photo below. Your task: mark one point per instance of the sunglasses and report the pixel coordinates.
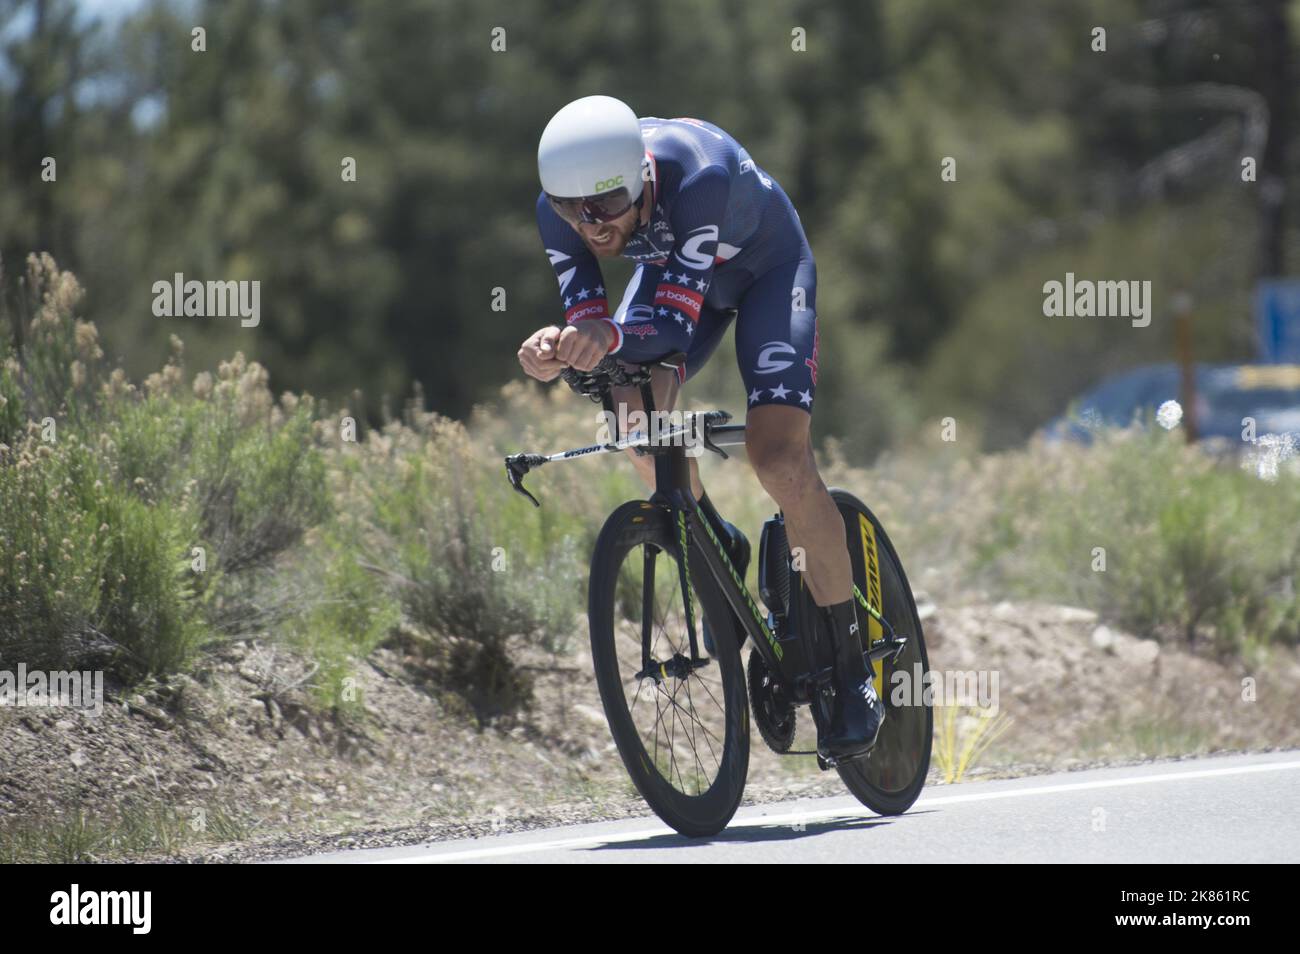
(592, 209)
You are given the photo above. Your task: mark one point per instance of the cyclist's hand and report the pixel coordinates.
(538, 357)
(582, 344)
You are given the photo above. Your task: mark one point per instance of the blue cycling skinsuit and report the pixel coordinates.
(723, 241)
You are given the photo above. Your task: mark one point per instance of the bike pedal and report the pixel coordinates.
(823, 763)
(833, 761)
(902, 644)
(855, 758)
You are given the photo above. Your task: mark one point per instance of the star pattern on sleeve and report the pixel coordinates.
(678, 290)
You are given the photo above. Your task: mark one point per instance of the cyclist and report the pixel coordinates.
(714, 237)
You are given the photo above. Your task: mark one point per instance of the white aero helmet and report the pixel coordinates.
(590, 147)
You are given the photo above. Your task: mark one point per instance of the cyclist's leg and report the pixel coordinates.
(776, 343)
(776, 346)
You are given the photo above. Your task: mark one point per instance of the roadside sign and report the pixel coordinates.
(1277, 319)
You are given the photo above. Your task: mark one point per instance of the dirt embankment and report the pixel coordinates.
(1078, 692)
(234, 762)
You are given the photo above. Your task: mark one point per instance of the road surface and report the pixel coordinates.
(1237, 808)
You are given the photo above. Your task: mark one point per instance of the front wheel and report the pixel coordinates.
(681, 724)
(890, 777)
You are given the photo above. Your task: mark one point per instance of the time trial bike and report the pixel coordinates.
(679, 716)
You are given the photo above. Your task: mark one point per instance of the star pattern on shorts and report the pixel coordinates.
(781, 393)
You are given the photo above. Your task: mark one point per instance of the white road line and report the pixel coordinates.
(846, 811)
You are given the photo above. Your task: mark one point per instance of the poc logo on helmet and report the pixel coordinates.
(605, 185)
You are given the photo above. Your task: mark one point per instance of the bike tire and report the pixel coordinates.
(890, 778)
(631, 529)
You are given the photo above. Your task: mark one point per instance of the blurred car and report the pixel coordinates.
(1225, 395)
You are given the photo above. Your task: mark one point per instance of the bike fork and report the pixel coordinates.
(684, 578)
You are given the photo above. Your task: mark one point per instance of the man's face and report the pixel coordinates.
(608, 239)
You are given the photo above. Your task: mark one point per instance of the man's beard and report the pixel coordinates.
(611, 249)
(622, 235)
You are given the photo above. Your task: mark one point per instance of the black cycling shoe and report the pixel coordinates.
(858, 712)
(737, 546)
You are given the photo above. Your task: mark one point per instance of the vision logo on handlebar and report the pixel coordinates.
(654, 429)
(596, 384)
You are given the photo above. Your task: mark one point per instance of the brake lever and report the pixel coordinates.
(721, 417)
(517, 466)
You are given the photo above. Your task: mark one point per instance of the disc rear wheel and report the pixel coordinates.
(890, 777)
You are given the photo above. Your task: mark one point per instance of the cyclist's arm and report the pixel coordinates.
(582, 288)
(664, 311)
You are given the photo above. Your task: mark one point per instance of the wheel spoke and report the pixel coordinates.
(685, 734)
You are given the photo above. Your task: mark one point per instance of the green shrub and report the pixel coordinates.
(107, 494)
(347, 614)
(88, 572)
(147, 606)
(469, 560)
(58, 369)
(1196, 547)
(252, 473)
